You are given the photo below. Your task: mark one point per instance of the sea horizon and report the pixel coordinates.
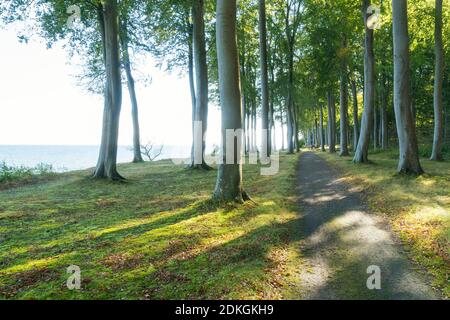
(65, 158)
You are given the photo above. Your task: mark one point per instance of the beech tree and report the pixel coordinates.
(438, 81)
(265, 136)
(201, 80)
(409, 154)
(229, 176)
(362, 150)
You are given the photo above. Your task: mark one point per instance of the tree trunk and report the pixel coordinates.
(322, 137)
(362, 150)
(409, 155)
(355, 116)
(375, 127)
(296, 145)
(265, 136)
(282, 130)
(438, 80)
(107, 161)
(131, 89)
(229, 176)
(344, 113)
(191, 79)
(201, 77)
(383, 114)
(331, 123)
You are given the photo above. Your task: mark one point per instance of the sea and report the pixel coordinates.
(69, 158)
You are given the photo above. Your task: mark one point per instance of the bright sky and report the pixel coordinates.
(40, 102)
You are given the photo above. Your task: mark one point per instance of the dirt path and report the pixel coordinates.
(342, 239)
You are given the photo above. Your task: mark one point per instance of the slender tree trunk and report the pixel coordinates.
(294, 110)
(383, 115)
(265, 126)
(362, 150)
(331, 123)
(191, 78)
(344, 113)
(409, 154)
(107, 162)
(229, 176)
(282, 130)
(438, 81)
(272, 126)
(201, 77)
(375, 125)
(322, 137)
(131, 89)
(355, 116)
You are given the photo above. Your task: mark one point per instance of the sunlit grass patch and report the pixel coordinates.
(417, 207)
(156, 236)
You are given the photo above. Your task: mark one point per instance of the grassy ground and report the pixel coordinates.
(156, 236)
(418, 208)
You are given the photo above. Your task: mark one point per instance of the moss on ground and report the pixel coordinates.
(156, 236)
(417, 207)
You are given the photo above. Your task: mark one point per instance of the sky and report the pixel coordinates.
(41, 104)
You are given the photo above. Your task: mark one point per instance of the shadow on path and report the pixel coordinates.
(342, 239)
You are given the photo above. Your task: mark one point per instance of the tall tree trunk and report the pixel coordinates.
(265, 126)
(355, 116)
(229, 176)
(438, 80)
(191, 77)
(331, 123)
(296, 145)
(362, 150)
(322, 137)
(107, 161)
(289, 124)
(375, 127)
(409, 154)
(282, 130)
(344, 113)
(201, 77)
(131, 89)
(383, 114)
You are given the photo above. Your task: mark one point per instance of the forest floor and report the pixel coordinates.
(416, 209)
(156, 236)
(343, 239)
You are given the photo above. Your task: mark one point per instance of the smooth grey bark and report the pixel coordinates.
(291, 26)
(265, 126)
(362, 150)
(383, 114)
(191, 76)
(107, 160)
(331, 123)
(229, 176)
(201, 77)
(282, 130)
(322, 137)
(355, 116)
(438, 81)
(375, 127)
(137, 156)
(344, 113)
(409, 154)
(295, 124)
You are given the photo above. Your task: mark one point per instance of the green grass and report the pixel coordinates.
(417, 207)
(156, 236)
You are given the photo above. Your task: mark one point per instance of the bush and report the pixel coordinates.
(15, 173)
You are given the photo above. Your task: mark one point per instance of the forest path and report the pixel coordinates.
(342, 239)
